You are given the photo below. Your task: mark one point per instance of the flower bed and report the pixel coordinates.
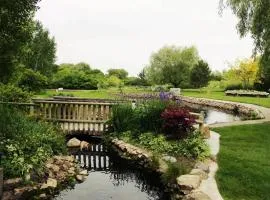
(249, 93)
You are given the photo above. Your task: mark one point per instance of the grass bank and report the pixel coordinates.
(244, 162)
(220, 95)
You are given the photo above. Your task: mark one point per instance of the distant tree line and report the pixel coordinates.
(28, 55)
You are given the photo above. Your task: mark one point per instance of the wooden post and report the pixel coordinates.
(32, 111)
(50, 111)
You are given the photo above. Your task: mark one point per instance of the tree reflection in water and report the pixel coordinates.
(121, 172)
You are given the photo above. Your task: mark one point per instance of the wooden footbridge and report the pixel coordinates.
(77, 114)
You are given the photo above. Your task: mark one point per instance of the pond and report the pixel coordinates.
(213, 116)
(111, 177)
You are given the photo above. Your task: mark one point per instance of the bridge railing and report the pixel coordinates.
(76, 116)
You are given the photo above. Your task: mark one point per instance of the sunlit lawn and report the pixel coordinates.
(244, 162)
(221, 96)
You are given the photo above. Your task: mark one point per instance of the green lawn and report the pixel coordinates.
(110, 93)
(221, 96)
(244, 162)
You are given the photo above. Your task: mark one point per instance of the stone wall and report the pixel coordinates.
(186, 186)
(59, 170)
(245, 111)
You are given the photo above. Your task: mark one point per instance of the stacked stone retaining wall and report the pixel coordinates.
(233, 107)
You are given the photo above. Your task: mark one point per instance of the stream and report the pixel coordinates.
(213, 116)
(111, 177)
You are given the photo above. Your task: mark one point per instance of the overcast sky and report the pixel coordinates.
(123, 33)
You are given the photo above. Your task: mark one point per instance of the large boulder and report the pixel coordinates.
(80, 178)
(188, 182)
(205, 131)
(170, 159)
(202, 166)
(55, 168)
(10, 184)
(74, 142)
(51, 183)
(199, 172)
(197, 195)
(83, 172)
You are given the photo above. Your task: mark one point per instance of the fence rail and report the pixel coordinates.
(89, 116)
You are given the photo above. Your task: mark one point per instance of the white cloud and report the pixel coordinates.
(124, 33)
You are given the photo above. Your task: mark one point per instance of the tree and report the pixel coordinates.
(172, 65)
(254, 18)
(120, 73)
(39, 53)
(244, 72)
(77, 76)
(200, 74)
(15, 30)
(216, 75)
(33, 81)
(82, 67)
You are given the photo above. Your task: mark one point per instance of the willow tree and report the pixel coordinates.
(172, 65)
(254, 18)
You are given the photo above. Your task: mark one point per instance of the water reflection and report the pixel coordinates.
(111, 177)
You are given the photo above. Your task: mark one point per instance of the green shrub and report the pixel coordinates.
(27, 143)
(33, 81)
(135, 81)
(145, 117)
(161, 88)
(193, 146)
(78, 76)
(11, 93)
(148, 115)
(215, 85)
(174, 170)
(122, 118)
(238, 86)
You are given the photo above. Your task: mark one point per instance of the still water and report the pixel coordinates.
(214, 116)
(111, 177)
